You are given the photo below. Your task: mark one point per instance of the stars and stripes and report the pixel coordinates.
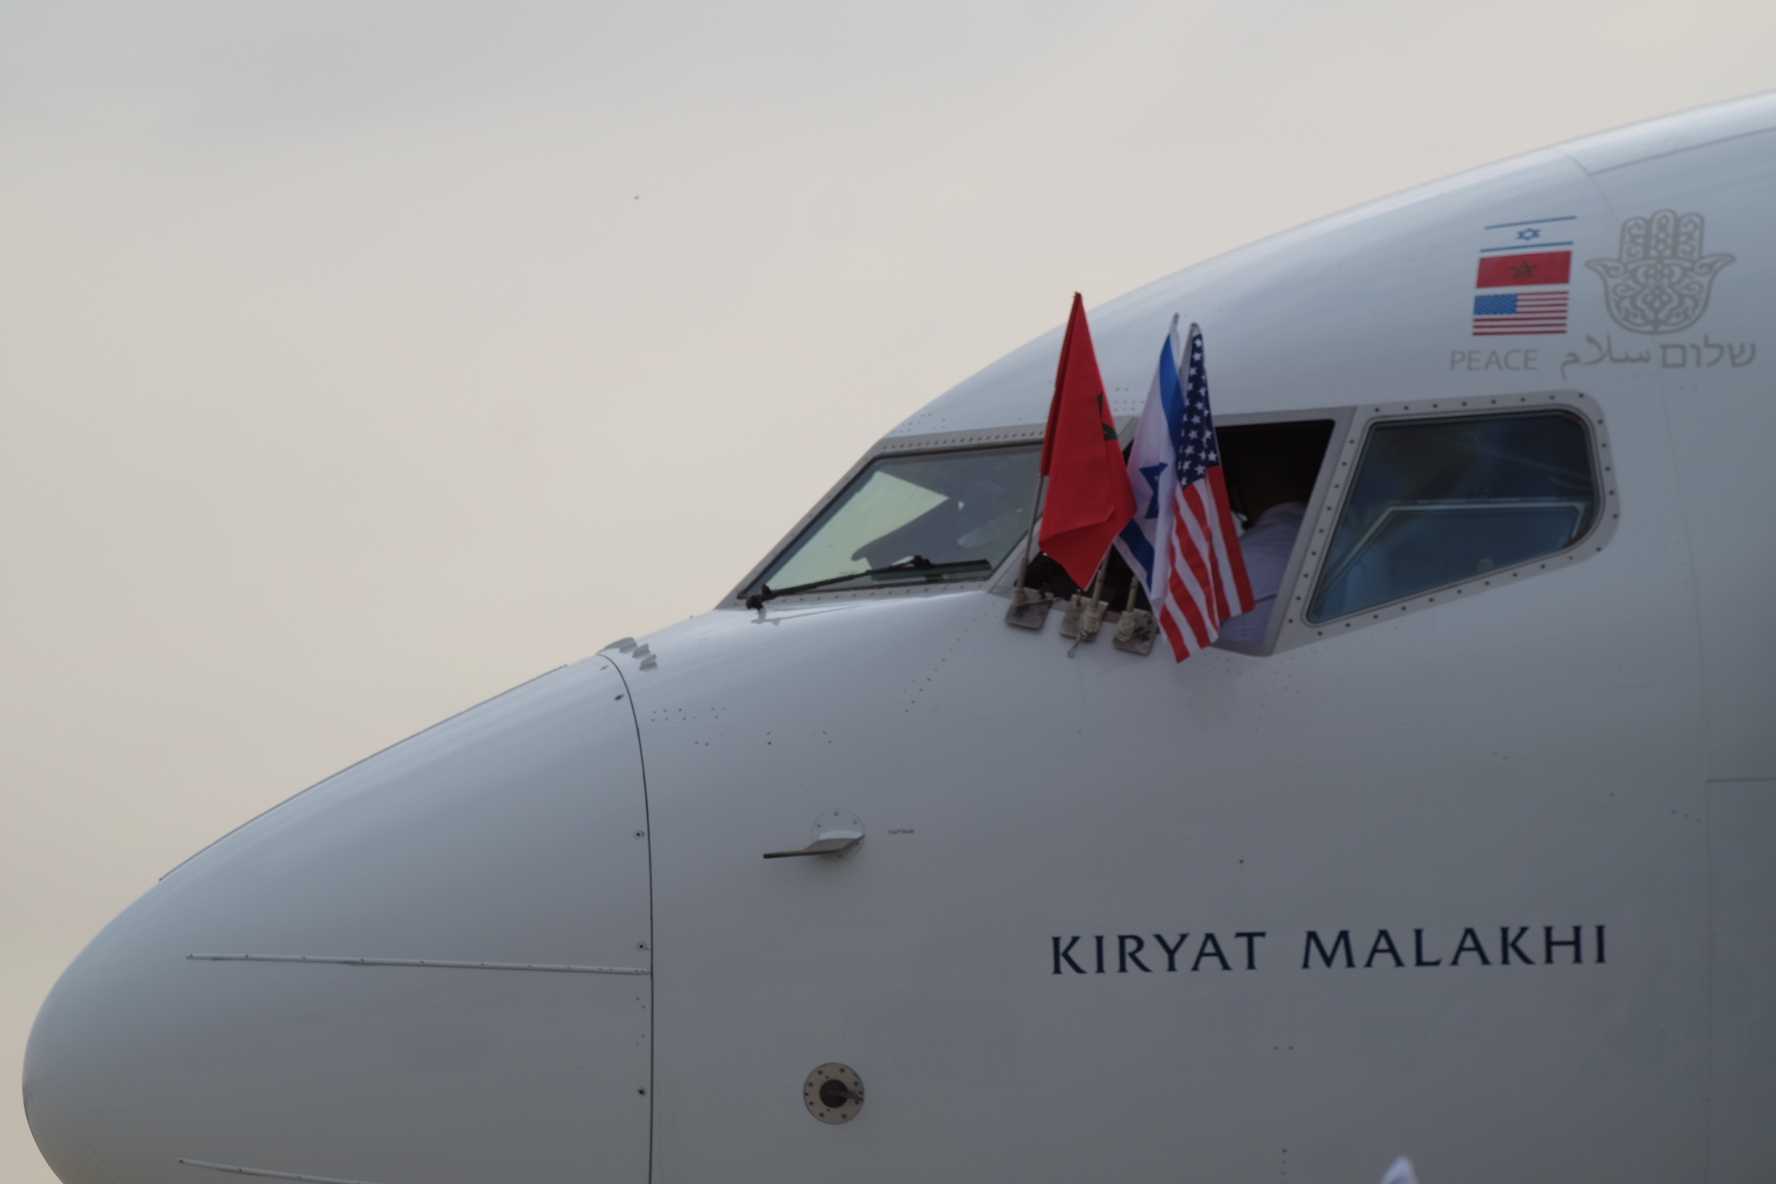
(1182, 541)
(1520, 313)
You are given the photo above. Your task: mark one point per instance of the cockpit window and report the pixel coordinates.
(1439, 502)
(916, 518)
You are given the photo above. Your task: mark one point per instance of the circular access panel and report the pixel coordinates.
(833, 1093)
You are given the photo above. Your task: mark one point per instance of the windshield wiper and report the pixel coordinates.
(918, 565)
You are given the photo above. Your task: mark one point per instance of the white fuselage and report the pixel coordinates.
(1481, 878)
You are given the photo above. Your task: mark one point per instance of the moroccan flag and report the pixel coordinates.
(1524, 271)
(1089, 500)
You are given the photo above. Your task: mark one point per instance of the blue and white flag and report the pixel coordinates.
(1145, 543)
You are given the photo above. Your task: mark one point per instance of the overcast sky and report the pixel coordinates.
(360, 360)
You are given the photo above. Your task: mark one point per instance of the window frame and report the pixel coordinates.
(1289, 627)
(1293, 627)
(1340, 419)
(928, 442)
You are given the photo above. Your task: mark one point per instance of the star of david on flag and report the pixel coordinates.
(1182, 544)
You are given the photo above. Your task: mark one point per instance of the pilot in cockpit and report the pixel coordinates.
(1266, 544)
(1269, 486)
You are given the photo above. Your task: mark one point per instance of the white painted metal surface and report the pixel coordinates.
(1480, 880)
(432, 966)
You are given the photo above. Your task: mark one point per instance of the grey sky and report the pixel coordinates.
(359, 361)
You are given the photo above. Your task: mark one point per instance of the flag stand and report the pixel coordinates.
(1136, 629)
(1085, 611)
(1029, 610)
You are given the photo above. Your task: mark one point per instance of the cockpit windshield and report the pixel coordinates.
(914, 519)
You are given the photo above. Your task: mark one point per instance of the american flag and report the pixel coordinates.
(1520, 314)
(1184, 543)
(1207, 583)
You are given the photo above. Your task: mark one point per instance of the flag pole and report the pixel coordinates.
(1086, 616)
(1097, 592)
(1030, 538)
(1026, 611)
(1136, 628)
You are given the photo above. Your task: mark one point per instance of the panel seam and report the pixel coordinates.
(647, 822)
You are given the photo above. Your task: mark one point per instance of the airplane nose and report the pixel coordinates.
(434, 966)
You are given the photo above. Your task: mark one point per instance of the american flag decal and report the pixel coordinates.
(1521, 283)
(1525, 312)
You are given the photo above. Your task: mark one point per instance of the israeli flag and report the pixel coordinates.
(1146, 542)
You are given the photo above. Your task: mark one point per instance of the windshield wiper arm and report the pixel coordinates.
(917, 565)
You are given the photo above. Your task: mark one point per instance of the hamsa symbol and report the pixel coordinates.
(1661, 280)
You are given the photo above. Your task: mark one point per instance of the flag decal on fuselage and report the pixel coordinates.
(1523, 277)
